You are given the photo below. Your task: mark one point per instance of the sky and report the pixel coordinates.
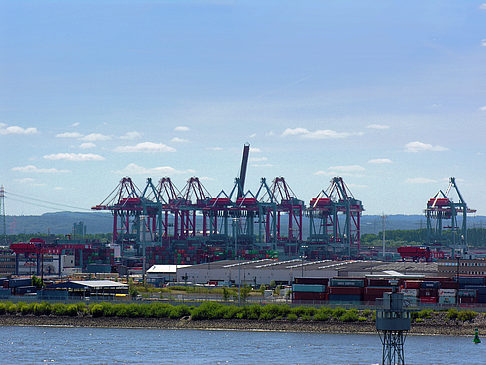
(389, 95)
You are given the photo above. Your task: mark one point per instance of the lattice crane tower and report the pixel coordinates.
(393, 322)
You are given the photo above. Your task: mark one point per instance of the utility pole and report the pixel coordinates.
(3, 221)
(384, 227)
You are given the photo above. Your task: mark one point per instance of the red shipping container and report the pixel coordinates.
(428, 299)
(377, 282)
(309, 296)
(342, 290)
(467, 300)
(412, 284)
(316, 281)
(428, 292)
(449, 285)
(377, 291)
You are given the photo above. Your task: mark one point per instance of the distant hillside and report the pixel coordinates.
(96, 222)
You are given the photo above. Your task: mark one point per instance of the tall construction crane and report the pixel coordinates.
(443, 225)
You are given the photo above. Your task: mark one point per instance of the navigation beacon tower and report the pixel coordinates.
(392, 323)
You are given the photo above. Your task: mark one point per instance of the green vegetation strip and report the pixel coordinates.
(210, 311)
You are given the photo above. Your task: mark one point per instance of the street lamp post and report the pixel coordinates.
(303, 256)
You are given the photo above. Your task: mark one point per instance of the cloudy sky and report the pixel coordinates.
(390, 95)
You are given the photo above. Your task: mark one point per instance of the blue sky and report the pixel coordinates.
(389, 95)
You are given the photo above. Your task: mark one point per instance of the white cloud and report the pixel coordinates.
(483, 42)
(25, 180)
(207, 178)
(181, 128)
(69, 135)
(294, 131)
(483, 108)
(146, 147)
(262, 165)
(74, 157)
(378, 126)
(258, 159)
(253, 135)
(420, 147)
(75, 124)
(30, 181)
(214, 148)
(345, 170)
(87, 145)
(317, 134)
(420, 180)
(358, 186)
(482, 6)
(95, 137)
(131, 135)
(270, 134)
(58, 188)
(14, 129)
(380, 160)
(255, 150)
(134, 169)
(35, 169)
(179, 140)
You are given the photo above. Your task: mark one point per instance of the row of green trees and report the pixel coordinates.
(26, 237)
(476, 237)
(211, 311)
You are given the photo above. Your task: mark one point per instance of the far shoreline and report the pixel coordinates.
(462, 329)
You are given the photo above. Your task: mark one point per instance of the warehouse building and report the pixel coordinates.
(229, 272)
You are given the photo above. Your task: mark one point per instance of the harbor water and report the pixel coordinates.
(68, 345)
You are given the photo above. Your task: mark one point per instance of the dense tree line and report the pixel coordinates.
(476, 237)
(26, 237)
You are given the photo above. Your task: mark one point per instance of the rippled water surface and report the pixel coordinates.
(41, 345)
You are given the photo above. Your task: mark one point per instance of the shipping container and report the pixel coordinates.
(467, 293)
(412, 284)
(14, 283)
(480, 290)
(470, 280)
(481, 298)
(347, 282)
(309, 296)
(447, 292)
(428, 292)
(449, 284)
(428, 299)
(410, 292)
(318, 281)
(447, 300)
(344, 298)
(467, 300)
(430, 285)
(310, 288)
(345, 290)
(378, 282)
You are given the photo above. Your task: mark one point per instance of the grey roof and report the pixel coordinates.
(90, 284)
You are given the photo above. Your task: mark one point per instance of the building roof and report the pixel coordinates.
(352, 266)
(90, 284)
(165, 269)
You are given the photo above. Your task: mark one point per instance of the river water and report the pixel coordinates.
(67, 345)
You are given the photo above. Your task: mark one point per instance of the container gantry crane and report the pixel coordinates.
(442, 213)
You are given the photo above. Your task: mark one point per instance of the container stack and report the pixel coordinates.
(346, 289)
(309, 289)
(429, 292)
(375, 288)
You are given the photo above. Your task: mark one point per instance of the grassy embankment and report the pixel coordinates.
(214, 311)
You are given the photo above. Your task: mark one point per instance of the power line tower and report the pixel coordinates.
(393, 322)
(3, 221)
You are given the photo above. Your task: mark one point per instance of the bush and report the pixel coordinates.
(467, 315)
(271, 311)
(96, 310)
(179, 311)
(338, 312)
(3, 308)
(209, 310)
(452, 314)
(362, 319)
(349, 316)
(161, 310)
(323, 314)
(42, 309)
(291, 317)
